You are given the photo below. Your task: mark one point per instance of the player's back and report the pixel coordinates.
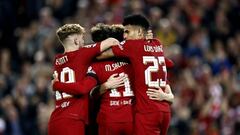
(150, 72)
(72, 67)
(116, 104)
(147, 60)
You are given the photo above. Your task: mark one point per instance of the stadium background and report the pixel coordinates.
(202, 37)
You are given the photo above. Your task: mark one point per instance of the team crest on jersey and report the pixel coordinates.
(121, 44)
(90, 70)
(89, 46)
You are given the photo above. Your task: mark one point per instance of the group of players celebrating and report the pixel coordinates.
(125, 71)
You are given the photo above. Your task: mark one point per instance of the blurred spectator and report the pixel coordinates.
(165, 32)
(2, 126)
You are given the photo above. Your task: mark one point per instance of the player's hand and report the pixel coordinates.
(115, 81)
(149, 35)
(156, 94)
(55, 77)
(159, 95)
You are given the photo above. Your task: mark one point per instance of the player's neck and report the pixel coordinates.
(137, 38)
(70, 48)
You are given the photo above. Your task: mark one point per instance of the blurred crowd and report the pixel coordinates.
(202, 37)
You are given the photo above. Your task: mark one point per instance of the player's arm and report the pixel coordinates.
(122, 50)
(76, 88)
(106, 54)
(169, 62)
(107, 43)
(114, 81)
(159, 95)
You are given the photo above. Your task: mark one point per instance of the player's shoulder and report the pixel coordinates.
(58, 56)
(98, 64)
(134, 43)
(90, 45)
(104, 62)
(131, 41)
(156, 41)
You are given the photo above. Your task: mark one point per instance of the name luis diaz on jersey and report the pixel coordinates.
(148, 48)
(114, 66)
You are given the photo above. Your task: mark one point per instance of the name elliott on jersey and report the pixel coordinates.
(61, 60)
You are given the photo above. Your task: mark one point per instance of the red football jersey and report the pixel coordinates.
(116, 104)
(148, 62)
(72, 67)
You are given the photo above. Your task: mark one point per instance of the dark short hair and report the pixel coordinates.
(138, 20)
(100, 32)
(117, 31)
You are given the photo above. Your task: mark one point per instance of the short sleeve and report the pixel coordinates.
(122, 50)
(90, 51)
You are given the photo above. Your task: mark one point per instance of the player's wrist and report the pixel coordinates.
(104, 88)
(105, 85)
(169, 97)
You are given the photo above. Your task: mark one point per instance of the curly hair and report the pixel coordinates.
(100, 32)
(117, 31)
(69, 29)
